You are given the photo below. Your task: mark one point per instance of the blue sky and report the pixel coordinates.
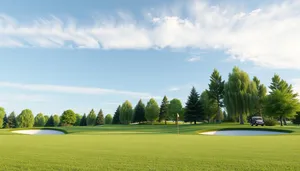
(57, 55)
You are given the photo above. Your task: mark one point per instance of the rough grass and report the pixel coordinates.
(153, 148)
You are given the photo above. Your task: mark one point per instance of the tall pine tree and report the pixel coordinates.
(116, 118)
(12, 120)
(83, 121)
(5, 122)
(193, 108)
(50, 122)
(139, 112)
(216, 91)
(163, 113)
(100, 118)
(91, 118)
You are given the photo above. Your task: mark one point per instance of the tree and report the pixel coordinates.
(100, 118)
(193, 108)
(108, 119)
(126, 113)
(83, 120)
(46, 117)
(68, 118)
(25, 119)
(281, 102)
(210, 106)
(2, 114)
(296, 120)
(139, 112)
(78, 119)
(152, 111)
(261, 94)
(5, 122)
(216, 91)
(50, 122)
(116, 118)
(39, 120)
(164, 107)
(56, 120)
(91, 118)
(174, 108)
(240, 94)
(12, 120)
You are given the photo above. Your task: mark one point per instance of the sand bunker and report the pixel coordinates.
(242, 132)
(39, 132)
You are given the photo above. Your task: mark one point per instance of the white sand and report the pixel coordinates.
(242, 132)
(38, 132)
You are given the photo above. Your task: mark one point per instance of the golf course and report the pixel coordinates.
(150, 147)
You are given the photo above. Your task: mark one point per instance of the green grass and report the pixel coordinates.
(150, 147)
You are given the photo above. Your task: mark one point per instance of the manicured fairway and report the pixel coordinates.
(119, 148)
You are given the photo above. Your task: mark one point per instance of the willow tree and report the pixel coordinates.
(240, 95)
(261, 94)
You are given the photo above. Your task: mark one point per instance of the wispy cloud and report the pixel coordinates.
(6, 98)
(194, 59)
(73, 90)
(184, 87)
(174, 89)
(268, 36)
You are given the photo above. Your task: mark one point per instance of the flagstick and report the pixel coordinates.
(177, 118)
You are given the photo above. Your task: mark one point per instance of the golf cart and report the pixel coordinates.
(257, 120)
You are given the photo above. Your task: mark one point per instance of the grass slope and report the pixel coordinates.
(155, 148)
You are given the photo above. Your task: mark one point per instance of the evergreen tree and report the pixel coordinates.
(5, 122)
(296, 120)
(216, 91)
(281, 102)
(152, 111)
(193, 109)
(12, 120)
(78, 119)
(100, 118)
(126, 113)
(91, 118)
(163, 113)
(50, 122)
(139, 112)
(116, 118)
(83, 121)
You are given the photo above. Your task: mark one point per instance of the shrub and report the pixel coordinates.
(270, 122)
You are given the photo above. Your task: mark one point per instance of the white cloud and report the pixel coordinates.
(194, 59)
(174, 89)
(268, 36)
(72, 89)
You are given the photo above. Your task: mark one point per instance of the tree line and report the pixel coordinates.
(234, 100)
(26, 119)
